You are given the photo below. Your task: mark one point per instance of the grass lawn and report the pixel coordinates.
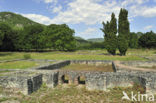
(74, 94)
(132, 54)
(18, 65)
(85, 67)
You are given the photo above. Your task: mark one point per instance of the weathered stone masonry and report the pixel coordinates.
(24, 82)
(52, 75)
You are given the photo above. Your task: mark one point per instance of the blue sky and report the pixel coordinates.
(85, 16)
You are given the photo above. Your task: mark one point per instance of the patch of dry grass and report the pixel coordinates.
(75, 94)
(85, 67)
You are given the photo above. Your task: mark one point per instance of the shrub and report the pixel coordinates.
(137, 87)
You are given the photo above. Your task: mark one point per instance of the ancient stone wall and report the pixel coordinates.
(29, 81)
(91, 62)
(50, 78)
(24, 82)
(134, 66)
(103, 80)
(53, 66)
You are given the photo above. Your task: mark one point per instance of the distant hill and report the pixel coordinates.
(80, 40)
(16, 21)
(96, 40)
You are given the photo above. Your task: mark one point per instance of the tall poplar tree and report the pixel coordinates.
(110, 31)
(123, 31)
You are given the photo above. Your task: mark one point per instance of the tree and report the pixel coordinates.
(61, 37)
(133, 40)
(123, 45)
(110, 31)
(7, 37)
(123, 31)
(148, 40)
(33, 37)
(3, 30)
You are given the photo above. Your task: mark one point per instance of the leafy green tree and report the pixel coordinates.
(148, 40)
(123, 31)
(33, 38)
(20, 40)
(3, 30)
(133, 40)
(110, 31)
(139, 34)
(61, 37)
(7, 37)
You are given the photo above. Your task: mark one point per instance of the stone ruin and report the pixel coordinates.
(125, 74)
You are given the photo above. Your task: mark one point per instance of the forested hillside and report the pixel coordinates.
(96, 40)
(18, 33)
(16, 21)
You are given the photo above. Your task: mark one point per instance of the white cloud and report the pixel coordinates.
(149, 11)
(57, 9)
(92, 12)
(133, 2)
(50, 1)
(86, 11)
(39, 18)
(143, 11)
(88, 31)
(148, 27)
(47, 1)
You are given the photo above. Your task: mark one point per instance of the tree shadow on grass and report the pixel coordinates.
(107, 54)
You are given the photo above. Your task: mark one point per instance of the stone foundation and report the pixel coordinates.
(29, 81)
(24, 82)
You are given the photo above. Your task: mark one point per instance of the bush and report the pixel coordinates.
(27, 56)
(137, 87)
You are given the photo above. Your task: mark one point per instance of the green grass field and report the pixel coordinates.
(18, 65)
(132, 54)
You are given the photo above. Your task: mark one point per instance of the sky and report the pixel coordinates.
(85, 16)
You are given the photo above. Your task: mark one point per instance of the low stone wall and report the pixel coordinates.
(53, 66)
(25, 82)
(91, 62)
(139, 63)
(72, 76)
(29, 81)
(133, 66)
(104, 81)
(50, 78)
